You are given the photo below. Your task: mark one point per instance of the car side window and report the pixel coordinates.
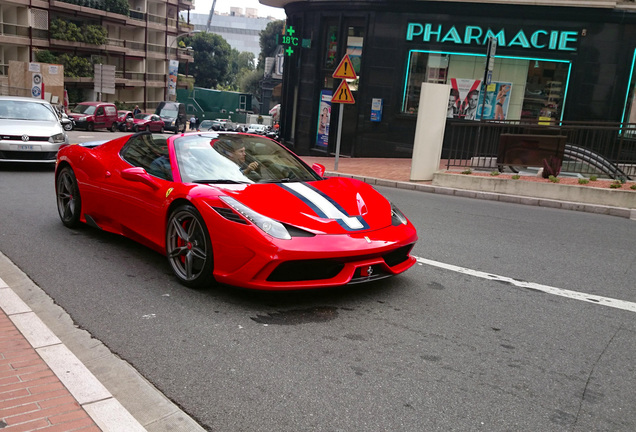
(100, 111)
(149, 152)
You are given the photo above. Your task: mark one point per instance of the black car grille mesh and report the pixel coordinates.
(305, 270)
(397, 256)
(19, 138)
(27, 155)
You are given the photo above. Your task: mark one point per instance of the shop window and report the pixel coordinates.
(521, 88)
(331, 46)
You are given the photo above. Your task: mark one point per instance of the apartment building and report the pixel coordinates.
(138, 37)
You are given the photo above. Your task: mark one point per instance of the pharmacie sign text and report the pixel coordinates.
(556, 40)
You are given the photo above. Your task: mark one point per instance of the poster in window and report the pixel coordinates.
(324, 118)
(497, 101)
(463, 99)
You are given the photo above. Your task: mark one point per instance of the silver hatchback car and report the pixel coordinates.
(30, 130)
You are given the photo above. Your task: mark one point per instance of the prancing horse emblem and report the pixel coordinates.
(369, 271)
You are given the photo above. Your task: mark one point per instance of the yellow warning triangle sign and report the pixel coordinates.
(345, 69)
(343, 94)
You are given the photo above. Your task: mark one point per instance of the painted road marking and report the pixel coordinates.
(590, 298)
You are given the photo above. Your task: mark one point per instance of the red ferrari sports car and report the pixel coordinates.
(234, 208)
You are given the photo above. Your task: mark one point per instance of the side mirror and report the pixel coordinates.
(319, 168)
(138, 174)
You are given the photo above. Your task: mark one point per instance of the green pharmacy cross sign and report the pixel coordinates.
(290, 41)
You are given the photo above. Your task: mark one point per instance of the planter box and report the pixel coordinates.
(553, 191)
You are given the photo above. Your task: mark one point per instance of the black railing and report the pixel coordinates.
(604, 149)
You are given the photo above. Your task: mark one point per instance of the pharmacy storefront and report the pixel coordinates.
(550, 64)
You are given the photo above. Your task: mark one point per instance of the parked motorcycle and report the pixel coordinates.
(67, 123)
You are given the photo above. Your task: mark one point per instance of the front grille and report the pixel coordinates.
(397, 256)
(26, 155)
(19, 138)
(305, 270)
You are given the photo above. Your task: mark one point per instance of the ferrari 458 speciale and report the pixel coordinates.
(234, 208)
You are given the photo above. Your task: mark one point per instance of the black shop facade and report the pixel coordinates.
(551, 64)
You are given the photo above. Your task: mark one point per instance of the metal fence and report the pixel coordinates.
(603, 149)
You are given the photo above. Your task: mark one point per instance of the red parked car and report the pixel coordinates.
(95, 115)
(234, 208)
(125, 120)
(147, 122)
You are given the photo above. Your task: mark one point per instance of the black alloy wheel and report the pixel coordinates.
(188, 248)
(69, 202)
(113, 127)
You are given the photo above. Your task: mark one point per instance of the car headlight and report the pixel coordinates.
(267, 225)
(81, 119)
(397, 217)
(173, 122)
(58, 138)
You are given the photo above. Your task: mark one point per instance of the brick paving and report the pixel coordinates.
(31, 395)
(397, 169)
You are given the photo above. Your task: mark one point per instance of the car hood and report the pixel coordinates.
(332, 206)
(30, 127)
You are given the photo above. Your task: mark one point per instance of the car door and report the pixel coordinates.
(100, 117)
(139, 188)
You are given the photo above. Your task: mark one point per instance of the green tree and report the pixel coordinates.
(211, 59)
(251, 82)
(241, 63)
(270, 39)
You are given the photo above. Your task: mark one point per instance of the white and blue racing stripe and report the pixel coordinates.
(325, 207)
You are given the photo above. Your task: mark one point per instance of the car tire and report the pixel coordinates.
(90, 127)
(69, 201)
(68, 127)
(188, 248)
(161, 130)
(176, 127)
(136, 128)
(113, 127)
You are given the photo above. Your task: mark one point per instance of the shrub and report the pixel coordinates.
(553, 179)
(583, 181)
(593, 178)
(616, 184)
(516, 177)
(633, 187)
(468, 171)
(494, 173)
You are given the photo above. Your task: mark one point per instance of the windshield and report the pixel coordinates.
(142, 116)
(84, 109)
(211, 158)
(25, 110)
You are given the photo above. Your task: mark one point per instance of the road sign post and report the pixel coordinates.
(342, 95)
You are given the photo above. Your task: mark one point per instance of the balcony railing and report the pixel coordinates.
(14, 30)
(156, 19)
(156, 77)
(137, 15)
(156, 48)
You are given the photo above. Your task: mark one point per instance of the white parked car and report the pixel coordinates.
(258, 129)
(30, 130)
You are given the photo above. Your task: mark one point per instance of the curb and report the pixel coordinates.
(622, 212)
(111, 391)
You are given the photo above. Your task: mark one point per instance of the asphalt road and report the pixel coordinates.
(431, 350)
